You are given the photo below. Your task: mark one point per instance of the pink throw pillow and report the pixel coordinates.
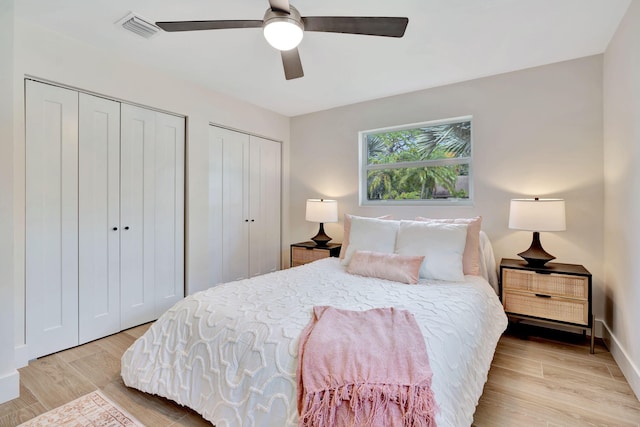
(399, 268)
(471, 255)
(347, 231)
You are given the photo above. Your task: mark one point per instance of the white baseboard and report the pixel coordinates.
(627, 366)
(9, 386)
(21, 355)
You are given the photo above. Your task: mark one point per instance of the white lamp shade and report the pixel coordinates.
(537, 215)
(322, 210)
(283, 34)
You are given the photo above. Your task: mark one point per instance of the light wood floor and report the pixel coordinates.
(534, 381)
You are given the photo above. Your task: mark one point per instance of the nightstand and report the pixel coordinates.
(305, 252)
(556, 293)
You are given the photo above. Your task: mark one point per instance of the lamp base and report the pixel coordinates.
(321, 238)
(535, 255)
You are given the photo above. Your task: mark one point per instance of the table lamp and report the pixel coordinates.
(537, 215)
(321, 210)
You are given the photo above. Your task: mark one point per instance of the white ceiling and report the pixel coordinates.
(446, 41)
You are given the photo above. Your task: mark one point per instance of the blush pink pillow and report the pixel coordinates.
(471, 254)
(399, 268)
(347, 231)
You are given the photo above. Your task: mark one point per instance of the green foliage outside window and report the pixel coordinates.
(422, 163)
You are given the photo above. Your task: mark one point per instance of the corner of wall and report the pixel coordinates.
(625, 363)
(621, 115)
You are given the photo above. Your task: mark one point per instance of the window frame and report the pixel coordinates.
(364, 168)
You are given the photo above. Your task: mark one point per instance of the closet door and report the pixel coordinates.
(151, 214)
(99, 217)
(244, 205)
(228, 205)
(215, 208)
(51, 218)
(235, 206)
(264, 201)
(169, 211)
(137, 222)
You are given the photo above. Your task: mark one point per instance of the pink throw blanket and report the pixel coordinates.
(364, 368)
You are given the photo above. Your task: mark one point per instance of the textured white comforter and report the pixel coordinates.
(230, 352)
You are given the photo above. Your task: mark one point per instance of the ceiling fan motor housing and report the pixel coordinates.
(283, 30)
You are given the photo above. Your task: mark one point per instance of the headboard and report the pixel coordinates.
(488, 262)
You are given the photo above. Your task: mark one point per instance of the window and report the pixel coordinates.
(424, 163)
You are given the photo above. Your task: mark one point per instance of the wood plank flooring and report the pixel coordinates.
(547, 378)
(536, 379)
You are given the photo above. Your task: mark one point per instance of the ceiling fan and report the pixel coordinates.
(283, 28)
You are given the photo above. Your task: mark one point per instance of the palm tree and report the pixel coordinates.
(382, 149)
(414, 145)
(454, 138)
(442, 142)
(429, 178)
(376, 148)
(380, 184)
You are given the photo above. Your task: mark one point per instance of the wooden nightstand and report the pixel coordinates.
(557, 293)
(305, 252)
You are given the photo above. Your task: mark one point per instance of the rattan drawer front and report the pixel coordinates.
(553, 308)
(548, 284)
(301, 256)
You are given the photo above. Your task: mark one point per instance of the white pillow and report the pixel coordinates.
(371, 234)
(441, 244)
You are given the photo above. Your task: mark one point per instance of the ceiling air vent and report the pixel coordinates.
(138, 25)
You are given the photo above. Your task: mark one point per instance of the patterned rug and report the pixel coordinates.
(91, 410)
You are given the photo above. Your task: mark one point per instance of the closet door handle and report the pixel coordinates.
(127, 227)
(115, 228)
(246, 220)
(253, 220)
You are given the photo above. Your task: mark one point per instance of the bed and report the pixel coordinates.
(230, 352)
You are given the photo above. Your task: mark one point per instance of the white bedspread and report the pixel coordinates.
(230, 352)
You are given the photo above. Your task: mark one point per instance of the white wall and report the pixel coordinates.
(51, 56)
(622, 194)
(536, 132)
(9, 378)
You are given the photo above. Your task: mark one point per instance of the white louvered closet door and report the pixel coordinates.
(264, 201)
(51, 270)
(99, 217)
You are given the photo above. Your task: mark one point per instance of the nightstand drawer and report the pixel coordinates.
(306, 252)
(301, 256)
(548, 284)
(546, 307)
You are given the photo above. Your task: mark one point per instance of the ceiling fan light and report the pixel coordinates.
(283, 33)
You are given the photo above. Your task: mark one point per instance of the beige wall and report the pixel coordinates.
(536, 132)
(622, 195)
(51, 56)
(9, 379)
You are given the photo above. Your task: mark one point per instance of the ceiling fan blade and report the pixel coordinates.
(207, 25)
(282, 5)
(370, 26)
(292, 64)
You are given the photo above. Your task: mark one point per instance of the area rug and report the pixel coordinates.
(91, 410)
